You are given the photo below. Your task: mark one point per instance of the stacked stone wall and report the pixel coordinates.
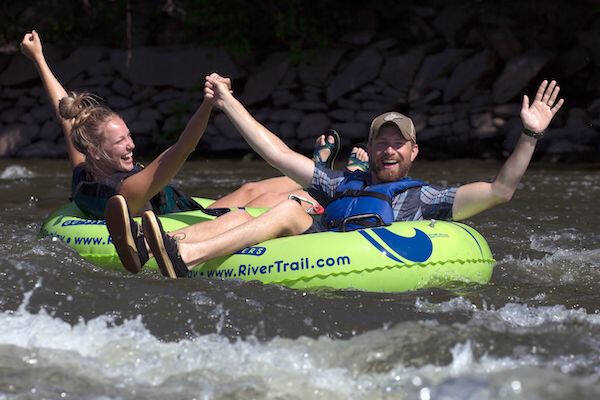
(461, 78)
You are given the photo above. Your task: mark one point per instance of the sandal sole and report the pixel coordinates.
(117, 222)
(330, 162)
(157, 244)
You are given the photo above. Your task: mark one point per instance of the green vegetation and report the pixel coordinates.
(241, 26)
(64, 22)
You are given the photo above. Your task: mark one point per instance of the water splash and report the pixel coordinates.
(566, 239)
(16, 172)
(128, 358)
(513, 314)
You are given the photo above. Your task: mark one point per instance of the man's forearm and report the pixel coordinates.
(270, 147)
(264, 142)
(514, 168)
(476, 197)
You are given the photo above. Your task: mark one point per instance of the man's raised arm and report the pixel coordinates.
(264, 142)
(476, 197)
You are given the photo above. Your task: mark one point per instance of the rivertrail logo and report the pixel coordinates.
(252, 251)
(417, 248)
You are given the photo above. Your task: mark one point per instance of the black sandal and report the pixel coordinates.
(164, 247)
(125, 234)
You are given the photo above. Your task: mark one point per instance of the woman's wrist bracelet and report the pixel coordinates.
(533, 134)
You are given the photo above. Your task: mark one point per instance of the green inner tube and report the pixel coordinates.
(400, 257)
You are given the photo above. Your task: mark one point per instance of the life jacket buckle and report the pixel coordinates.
(314, 209)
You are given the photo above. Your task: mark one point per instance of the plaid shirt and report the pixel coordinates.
(425, 202)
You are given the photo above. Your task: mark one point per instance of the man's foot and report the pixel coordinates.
(126, 235)
(164, 247)
(327, 148)
(358, 160)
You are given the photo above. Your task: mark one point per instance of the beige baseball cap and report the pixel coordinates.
(403, 123)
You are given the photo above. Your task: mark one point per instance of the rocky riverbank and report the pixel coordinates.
(459, 71)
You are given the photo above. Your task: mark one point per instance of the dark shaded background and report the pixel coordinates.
(264, 26)
(252, 30)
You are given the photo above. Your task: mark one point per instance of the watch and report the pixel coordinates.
(533, 134)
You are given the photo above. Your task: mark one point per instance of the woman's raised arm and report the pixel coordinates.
(141, 187)
(31, 47)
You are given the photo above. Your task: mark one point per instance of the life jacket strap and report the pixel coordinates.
(361, 193)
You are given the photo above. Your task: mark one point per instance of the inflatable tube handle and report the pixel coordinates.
(360, 217)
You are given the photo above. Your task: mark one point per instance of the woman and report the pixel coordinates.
(100, 149)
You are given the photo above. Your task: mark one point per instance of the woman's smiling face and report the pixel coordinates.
(118, 145)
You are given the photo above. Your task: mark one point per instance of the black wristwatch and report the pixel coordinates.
(533, 134)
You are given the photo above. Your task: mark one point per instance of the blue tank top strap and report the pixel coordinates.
(91, 196)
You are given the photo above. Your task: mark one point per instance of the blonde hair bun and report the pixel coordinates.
(73, 104)
(87, 119)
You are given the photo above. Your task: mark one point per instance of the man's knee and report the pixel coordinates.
(295, 219)
(252, 190)
(268, 199)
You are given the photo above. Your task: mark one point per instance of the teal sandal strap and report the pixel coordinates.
(317, 152)
(355, 162)
(334, 149)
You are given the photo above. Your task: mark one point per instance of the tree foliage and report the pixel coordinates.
(240, 25)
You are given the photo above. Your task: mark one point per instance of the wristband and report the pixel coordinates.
(533, 134)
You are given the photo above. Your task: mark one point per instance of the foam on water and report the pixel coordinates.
(565, 239)
(526, 316)
(513, 314)
(209, 364)
(565, 256)
(129, 358)
(16, 172)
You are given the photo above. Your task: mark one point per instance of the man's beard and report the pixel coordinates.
(392, 174)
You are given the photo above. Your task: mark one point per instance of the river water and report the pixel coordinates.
(69, 330)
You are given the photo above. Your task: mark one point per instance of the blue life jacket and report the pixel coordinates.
(354, 197)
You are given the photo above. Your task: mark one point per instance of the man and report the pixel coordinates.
(384, 191)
